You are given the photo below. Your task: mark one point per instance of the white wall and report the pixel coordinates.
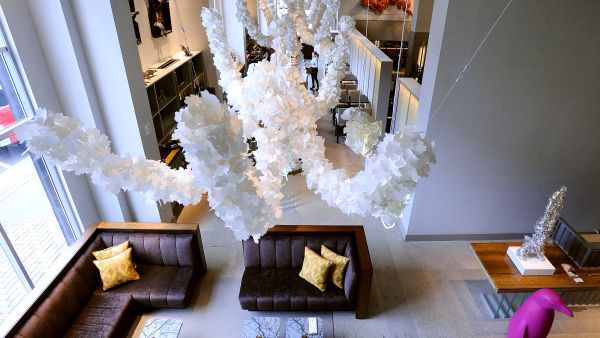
(521, 123)
(372, 69)
(434, 49)
(422, 12)
(234, 30)
(183, 12)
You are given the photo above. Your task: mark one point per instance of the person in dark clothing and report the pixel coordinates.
(314, 72)
(307, 51)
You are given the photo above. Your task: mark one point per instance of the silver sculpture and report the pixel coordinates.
(533, 246)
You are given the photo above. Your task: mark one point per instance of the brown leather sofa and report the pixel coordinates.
(271, 281)
(169, 259)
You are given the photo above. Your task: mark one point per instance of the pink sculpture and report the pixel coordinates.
(535, 316)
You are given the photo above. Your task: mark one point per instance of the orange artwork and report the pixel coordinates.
(378, 6)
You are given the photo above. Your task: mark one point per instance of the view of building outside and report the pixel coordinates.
(30, 225)
(33, 229)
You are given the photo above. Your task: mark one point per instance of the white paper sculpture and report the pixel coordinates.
(362, 133)
(272, 105)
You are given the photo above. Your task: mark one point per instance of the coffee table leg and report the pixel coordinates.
(493, 303)
(500, 303)
(502, 298)
(510, 311)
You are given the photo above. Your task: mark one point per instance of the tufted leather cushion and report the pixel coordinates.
(160, 286)
(158, 249)
(59, 310)
(107, 315)
(263, 289)
(288, 251)
(269, 262)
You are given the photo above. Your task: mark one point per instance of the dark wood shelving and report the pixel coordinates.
(165, 103)
(167, 137)
(178, 80)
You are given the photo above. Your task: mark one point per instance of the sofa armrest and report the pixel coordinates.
(365, 274)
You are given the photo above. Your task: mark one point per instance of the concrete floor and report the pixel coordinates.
(420, 289)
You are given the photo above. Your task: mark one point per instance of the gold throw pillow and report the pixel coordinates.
(315, 269)
(117, 270)
(341, 262)
(112, 251)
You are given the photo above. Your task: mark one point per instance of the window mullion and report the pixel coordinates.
(15, 261)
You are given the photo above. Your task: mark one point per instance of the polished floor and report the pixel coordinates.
(420, 289)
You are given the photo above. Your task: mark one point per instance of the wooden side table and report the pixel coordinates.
(511, 288)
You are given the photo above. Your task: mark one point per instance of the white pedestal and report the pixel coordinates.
(532, 266)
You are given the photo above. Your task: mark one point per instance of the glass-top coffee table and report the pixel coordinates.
(161, 328)
(298, 328)
(261, 327)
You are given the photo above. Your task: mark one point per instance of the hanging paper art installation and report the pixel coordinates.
(534, 245)
(270, 105)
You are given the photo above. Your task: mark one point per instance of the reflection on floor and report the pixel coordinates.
(420, 289)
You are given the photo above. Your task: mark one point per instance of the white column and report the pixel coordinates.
(262, 21)
(107, 37)
(234, 30)
(90, 54)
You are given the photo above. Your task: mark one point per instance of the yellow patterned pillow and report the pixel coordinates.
(315, 269)
(112, 251)
(117, 270)
(341, 262)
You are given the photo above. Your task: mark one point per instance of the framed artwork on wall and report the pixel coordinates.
(159, 15)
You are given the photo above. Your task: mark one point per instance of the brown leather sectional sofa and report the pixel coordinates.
(169, 259)
(271, 281)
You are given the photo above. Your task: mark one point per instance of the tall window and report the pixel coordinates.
(35, 225)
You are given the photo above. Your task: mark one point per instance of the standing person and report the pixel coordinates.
(307, 51)
(314, 73)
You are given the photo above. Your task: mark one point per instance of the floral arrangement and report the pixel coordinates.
(279, 113)
(378, 6)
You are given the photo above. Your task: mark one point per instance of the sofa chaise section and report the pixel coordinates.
(169, 259)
